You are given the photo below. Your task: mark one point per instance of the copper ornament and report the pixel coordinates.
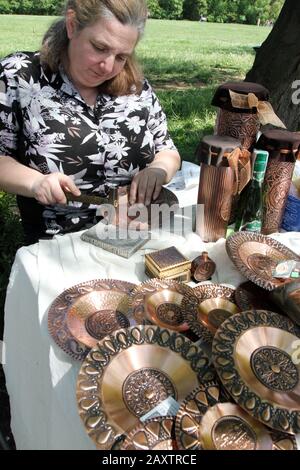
(190, 414)
(129, 373)
(155, 434)
(282, 441)
(276, 187)
(225, 426)
(256, 255)
(216, 304)
(163, 302)
(87, 312)
(255, 357)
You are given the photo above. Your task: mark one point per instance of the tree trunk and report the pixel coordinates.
(277, 65)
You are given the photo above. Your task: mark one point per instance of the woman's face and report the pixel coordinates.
(99, 52)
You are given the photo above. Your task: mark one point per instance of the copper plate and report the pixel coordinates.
(215, 304)
(87, 312)
(154, 434)
(282, 441)
(256, 255)
(190, 414)
(129, 372)
(255, 355)
(226, 426)
(163, 302)
(249, 296)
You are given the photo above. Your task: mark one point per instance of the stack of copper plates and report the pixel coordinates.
(163, 302)
(215, 303)
(256, 357)
(129, 373)
(256, 256)
(87, 312)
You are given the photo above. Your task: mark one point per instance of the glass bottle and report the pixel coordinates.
(250, 210)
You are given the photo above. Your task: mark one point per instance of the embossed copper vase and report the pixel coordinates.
(241, 123)
(202, 267)
(216, 187)
(283, 147)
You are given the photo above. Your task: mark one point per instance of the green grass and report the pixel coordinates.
(185, 61)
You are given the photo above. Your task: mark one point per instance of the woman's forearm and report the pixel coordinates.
(16, 178)
(167, 160)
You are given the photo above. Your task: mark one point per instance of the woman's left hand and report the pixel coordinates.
(146, 185)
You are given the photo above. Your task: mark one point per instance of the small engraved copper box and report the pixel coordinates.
(168, 264)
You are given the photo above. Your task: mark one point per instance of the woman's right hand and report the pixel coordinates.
(50, 189)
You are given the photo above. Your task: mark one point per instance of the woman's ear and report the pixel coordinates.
(71, 23)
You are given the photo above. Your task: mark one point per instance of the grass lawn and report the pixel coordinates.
(185, 61)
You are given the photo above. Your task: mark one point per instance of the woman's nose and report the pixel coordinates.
(107, 64)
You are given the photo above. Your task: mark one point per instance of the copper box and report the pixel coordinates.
(168, 264)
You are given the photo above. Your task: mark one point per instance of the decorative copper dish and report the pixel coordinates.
(255, 355)
(129, 373)
(155, 434)
(190, 413)
(282, 441)
(87, 312)
(256, 256)
(226, 426)
(215, 304)
(249, 296)
(163, 302)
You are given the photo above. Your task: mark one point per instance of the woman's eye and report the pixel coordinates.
(121, 58)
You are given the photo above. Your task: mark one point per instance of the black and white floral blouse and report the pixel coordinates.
(46, 125)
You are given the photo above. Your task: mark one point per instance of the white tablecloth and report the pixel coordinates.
(41, 379)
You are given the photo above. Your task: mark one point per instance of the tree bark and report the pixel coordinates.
(277, 65)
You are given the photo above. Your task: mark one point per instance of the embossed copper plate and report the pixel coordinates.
(225, 426)
(87, 312)
(216, 303)
(155, 434)
(129, 373)
(256, 256)
(282, 441)
(190, 414)
(164, 303)
(255, 355)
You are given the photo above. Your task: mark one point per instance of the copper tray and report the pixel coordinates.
(249, 296)
(256, 255)
(164, 303)
(129, 372)
(255, 355)
(216, 303)
(87, 312)
(225, 426)
(155, 434)
(190, 414)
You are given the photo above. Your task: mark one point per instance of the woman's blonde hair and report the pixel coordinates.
(87, 12)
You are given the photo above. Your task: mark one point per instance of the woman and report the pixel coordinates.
(79, 113)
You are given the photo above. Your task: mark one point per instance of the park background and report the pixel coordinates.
(184, 59)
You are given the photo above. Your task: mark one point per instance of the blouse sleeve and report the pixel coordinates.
(9, 122)
(157, 123)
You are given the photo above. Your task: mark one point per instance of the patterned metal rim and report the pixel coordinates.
(191, 411)
(90, 377)
(204, 292)
(282, 441)
(162, 431)
(235, 241)
(223, 352)
(138, 294)
(58, 311)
